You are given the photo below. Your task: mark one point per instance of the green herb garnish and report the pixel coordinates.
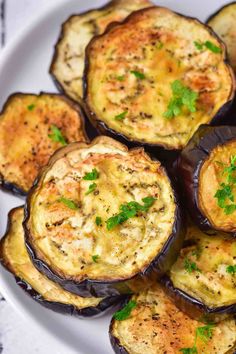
(124, 313)
(160, 45)
(231, 269)
(98, 221)
(95, 258)
(91, 188)
(192, 350)
(120, 77)
(31, 107)
(209, 45)
(138, 74)
(182, 96)
(57, 135)
(68, 202)
(204, 333)
(230, 170)
(190, 266)
(129, 210)
(121, 116)
(90, 176)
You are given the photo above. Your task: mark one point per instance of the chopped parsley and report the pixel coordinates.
(183, 96)
(138, 74)
(31, 107)
(98, 221)
(95, 258)
(69, 203)
(91, 176)
(124, 313)
(120, 77)
(160, 45)
(231, 269)
(204, 333)
(91, 188)
(209, 45)
(57, 135)
(129, 210)
(190, 266)
(121, 116)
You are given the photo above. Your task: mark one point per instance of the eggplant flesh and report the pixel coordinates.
(155, 325)
(26, 124)
(125, 99)
(14, 257)
(146, 242)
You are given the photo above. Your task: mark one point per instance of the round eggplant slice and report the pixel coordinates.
(151, 323)
(154, 78)
(207, 169)
(202, 281)
(14, 256)
(223, 23)
(68, 61)
(101, 214)
(32, 128)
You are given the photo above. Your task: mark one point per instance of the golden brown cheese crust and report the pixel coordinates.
(68, 61)
(210, 178)
(156, 326)
(211, 283)
(14, 256)
(159, 44)
(66, 239)
(25, 124)
(223, 23)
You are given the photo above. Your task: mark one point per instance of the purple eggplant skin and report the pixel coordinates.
(92, 288)
(189, 166)
(195, 308)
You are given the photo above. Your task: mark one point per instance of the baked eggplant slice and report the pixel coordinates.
(14, 256)
(32, 127)
(207, 169)
(154, 78)
(223, 23)
(68, 61)
(151, 324)
(202, 281)
(101, 214)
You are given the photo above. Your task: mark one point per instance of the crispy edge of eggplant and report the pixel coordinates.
(220, 117)
(88, 287)
(189, 166)
(219, 10)
(59, 307)
(12, 187)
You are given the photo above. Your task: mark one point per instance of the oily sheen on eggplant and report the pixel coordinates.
(201, 282)
(138, 70)
(26, 123)
(69, 210)
(14, 257)
(202, 167)
(156, 325)
(68, 61)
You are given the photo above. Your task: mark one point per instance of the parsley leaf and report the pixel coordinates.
(120, 77)
(57, 135)
(230, 170)
(138, 74)
(182, 96)
(192, 350)
(91, 188)
(205, 332)
(231, 269)
(198, 45)
(95, 258)
(31, 107)
(209, 45)
(121, 116)
(69, 203)
(98, 221)
(160, 45)
(129, 210)
(90, 176)
(190, 266)
(124, 313)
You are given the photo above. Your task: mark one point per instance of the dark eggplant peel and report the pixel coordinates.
(101, 214)
(151, 323)
(202, 281)
(223, 22)
(32, 128)
(154, 78)
(207, 169)
(15, 258)
(68, 61)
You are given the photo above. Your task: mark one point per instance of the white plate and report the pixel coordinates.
(24, 67)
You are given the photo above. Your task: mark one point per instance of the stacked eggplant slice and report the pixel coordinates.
(106, 223)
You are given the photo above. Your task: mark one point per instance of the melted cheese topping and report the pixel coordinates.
(210, 178)
(17, 260)
(214, 286)
(78, 30)
(25, 125)
(157, 326)
(159, 44)
(224, 25)
(67, 239)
